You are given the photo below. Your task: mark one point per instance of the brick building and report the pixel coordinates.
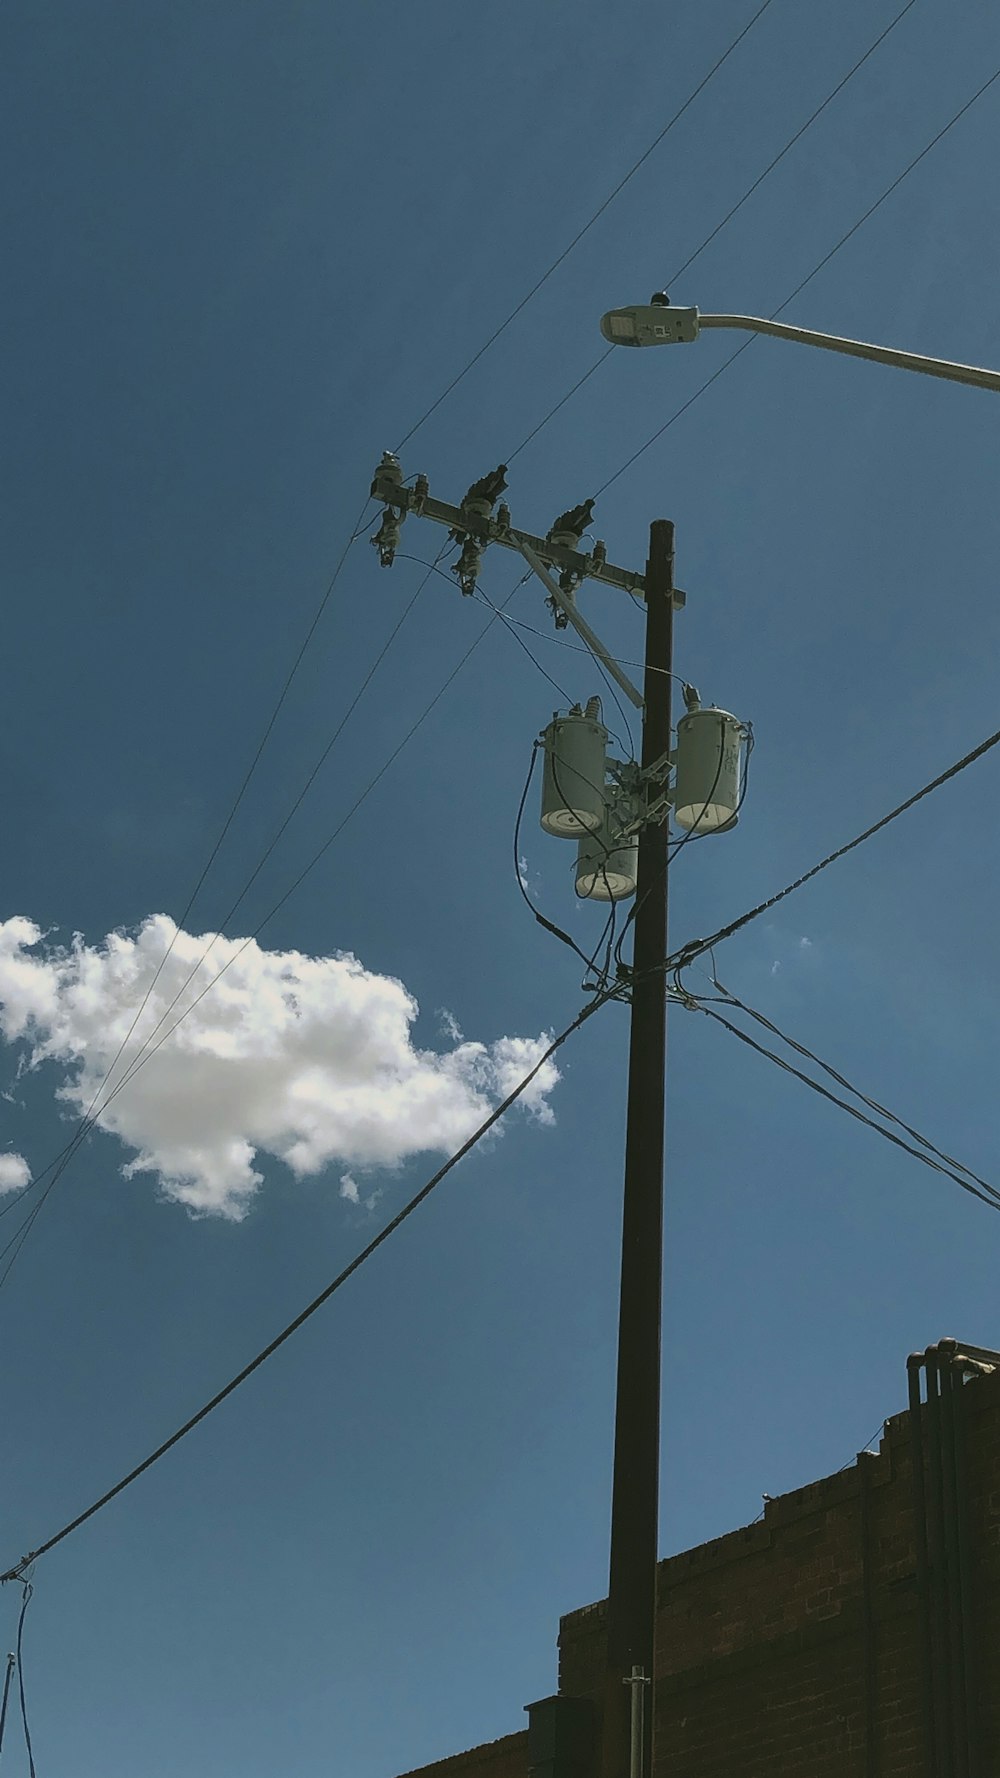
(854, 1632)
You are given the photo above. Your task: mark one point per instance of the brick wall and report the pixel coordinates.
(497, 1759)
(793, 1648)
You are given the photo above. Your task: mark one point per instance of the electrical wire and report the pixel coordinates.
(588, 225)
(148, 1052)
(88, 1120)
(486, 600)
(25, 1602)
(792, 140)
(148, 1049)
(698, 946)
(790, 144)
(483, 599)
(87, 1123)
(990, 1196)
(620, 660)
(955, 1166)
(6, 1694)
(359, 525)
(16, 1572)
(851, 1461)
(818, 267)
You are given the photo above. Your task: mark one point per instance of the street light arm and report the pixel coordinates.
(832, 342)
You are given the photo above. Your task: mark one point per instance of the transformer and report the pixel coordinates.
(607, 861)
(707, 780)
(573, 794)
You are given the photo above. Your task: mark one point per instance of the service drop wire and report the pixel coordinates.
(6, 1695)
(16, 1573)
(734, 1001)
(986, 1193)
(28, 1589)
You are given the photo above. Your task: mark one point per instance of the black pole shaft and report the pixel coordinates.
(635, 1492)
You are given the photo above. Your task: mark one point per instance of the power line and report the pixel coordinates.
(88, 1119)
(818, 267)
(6, 1694)
(533, 658)
(62, 1160)
(483, 599)
(851, 1461)
(358, 526)
(792, 140)
(17, 1571)
(578, 237)
(790, 144)
(989, 1195)
(698, 946)
(25, 1602)
(844, 239)
(808, 1055)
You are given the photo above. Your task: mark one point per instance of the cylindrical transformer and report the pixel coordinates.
(707, 780)
(607, 861)
(573, 777)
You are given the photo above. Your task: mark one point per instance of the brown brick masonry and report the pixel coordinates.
(791, 1649)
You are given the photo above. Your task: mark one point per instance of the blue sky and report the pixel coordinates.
(246, 247)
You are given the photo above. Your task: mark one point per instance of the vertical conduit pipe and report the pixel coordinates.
(956, 1650)
(966, 1578)
(914, 1365)
(865, 1462)
(945, 1767)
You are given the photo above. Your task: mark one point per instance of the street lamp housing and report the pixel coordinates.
(649, 324)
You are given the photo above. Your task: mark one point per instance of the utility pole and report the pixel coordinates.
(705, 798)
(635, 1490)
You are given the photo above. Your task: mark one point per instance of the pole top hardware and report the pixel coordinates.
(485, 519)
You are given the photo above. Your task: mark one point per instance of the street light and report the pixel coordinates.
(657, 323)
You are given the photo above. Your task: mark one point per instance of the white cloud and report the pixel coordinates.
(308, 1059)
(14, 1172)
(450, 1025)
